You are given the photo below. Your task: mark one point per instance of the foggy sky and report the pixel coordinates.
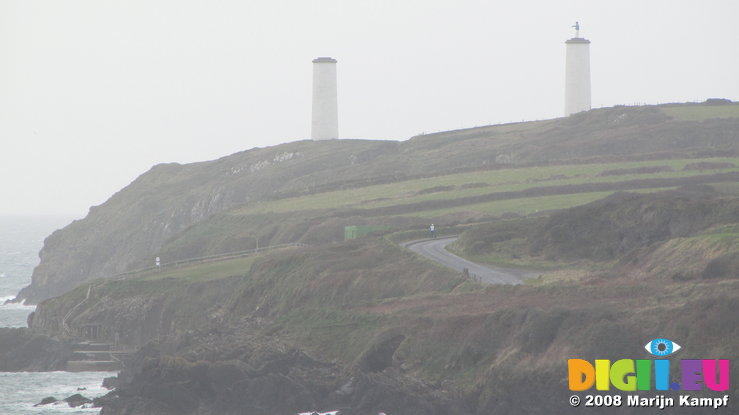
(93, 93)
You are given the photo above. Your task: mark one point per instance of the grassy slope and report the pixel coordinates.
(506, 344)
(701, 112)
(164, 203)
(305, 281)
(595, 235)
(446, 200)
(503, 345)
(511, 343)
(473, 183)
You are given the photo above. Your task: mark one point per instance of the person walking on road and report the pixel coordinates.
(432, 231)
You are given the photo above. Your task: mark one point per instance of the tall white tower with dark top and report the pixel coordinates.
(577, 74)
(325, 123)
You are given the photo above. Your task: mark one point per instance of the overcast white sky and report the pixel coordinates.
(95, 92)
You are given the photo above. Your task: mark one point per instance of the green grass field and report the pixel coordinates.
(701, 112)
(204, 271)
(529, 205)
(446, 200)
(483, 182)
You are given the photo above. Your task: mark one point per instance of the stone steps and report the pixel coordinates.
(95, 356)
(93, 366)
(90, 355)
(92, 346)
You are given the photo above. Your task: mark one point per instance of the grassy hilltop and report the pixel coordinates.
(630, 214)
(307, 191)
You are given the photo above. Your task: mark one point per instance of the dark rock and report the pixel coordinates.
(380, 355)
(23, 349)
(270, 381)
(76, 400)
(108, 398)
(110, 383)
(46, 401)
(725, 266)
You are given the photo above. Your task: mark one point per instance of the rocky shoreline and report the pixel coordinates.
(234, 372)
(255, 375)
(23, 349)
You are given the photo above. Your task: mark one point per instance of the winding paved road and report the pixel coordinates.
(435, 249)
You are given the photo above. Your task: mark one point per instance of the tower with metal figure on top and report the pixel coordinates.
(577, 73)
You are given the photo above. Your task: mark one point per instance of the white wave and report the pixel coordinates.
(15, 306)
(21, 390)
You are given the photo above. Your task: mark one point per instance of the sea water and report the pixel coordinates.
(21, 239)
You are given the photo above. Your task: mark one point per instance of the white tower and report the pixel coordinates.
(577, 74)
(325, 124)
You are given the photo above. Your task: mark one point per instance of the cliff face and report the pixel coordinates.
(129, 230)
(210, 344)
(366, 327)
(264, 377)
(141, 309)
(24, 350)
